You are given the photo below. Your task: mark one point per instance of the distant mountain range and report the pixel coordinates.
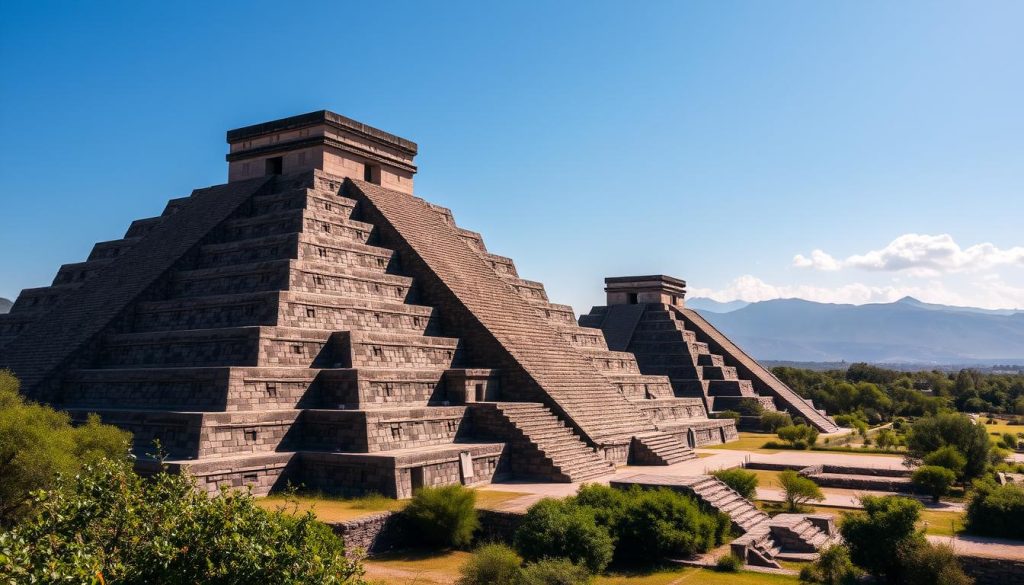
(907, 331)
(5, 305)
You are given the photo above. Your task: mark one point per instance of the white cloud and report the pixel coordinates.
(921, 255)
(819, 260)
(989, 291)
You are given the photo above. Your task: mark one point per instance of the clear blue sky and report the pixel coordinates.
(721, 142)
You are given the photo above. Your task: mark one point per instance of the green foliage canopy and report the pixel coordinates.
(38, 444)
(444, 516)
(109, 524)
(879, 535)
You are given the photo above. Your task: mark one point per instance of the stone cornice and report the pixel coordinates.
(327, 118)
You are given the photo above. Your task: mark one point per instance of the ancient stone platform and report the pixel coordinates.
(313, 322)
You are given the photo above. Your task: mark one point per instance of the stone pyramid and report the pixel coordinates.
(313, 322)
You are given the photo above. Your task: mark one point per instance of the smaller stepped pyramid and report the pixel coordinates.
(312, 322)
(646, 316)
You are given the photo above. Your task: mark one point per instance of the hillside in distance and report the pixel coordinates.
(5, 305)
(906, 331)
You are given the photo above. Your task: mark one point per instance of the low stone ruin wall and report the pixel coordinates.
(846, 476)
(379, 533)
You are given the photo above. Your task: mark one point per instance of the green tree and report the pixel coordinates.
(109, 525)
(555, 572)
(554, 528)
(931, 433)
(799, 490)
(928, 564)
(832, 567)
(1009, 441)
(885, 439)
(879, 535)
(492, 564)
(742, 481)
(933, 480)
(948, 457)
(799, 436)
(444, 516)
(772, 421)
(996, 510)
(659, 524)
(38, 444)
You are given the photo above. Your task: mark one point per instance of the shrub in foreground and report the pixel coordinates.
(555, 572)
(742, 481)
(110, 525)
(38, 444)
(554, 528)
(444, 516)
(492, 564)
(832, 567)
(932, 564)
(878, 536)
(996, 510)
(659, 524)
(729, 564)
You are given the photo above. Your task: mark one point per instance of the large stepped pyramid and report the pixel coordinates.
(646, 316)
(313, 322)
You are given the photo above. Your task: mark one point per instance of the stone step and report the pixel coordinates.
(313, 221)
(301, 198)
(141, 227)
(529, 289)
(710, 359)
(229, 346)
(112, 248)
(370, 349)
(80, 271)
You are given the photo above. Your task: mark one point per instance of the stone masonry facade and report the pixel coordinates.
(313, 322)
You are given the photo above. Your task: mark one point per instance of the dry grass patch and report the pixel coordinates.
(337, 509)
(748, 442)
(680, 575)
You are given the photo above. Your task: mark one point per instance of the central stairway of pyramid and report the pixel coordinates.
(312, 322)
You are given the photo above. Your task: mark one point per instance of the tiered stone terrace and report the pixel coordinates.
(646, 316)
(327, 331)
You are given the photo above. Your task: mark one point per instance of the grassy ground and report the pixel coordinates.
(936, 522)
(674, 576)
(443, 567)
(748, 442)
(330, 509)
(997, 430)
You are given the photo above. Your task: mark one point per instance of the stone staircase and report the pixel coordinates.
(546, 447)
(801, 533)
(715, 493)
(660, 449)
(699, 361)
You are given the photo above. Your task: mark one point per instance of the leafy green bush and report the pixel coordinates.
(492, 564)
(996, 510)
(948, 457)
(109, 524)
(928, 564)
(1009, 441)
(726, 414)
(659, 524)
(554, 528)
(832, 567)
(555, 572)
(933, 480)
(772, 421)
(606, 502)
(931, 433)
(881, 533)
(799, 490)
(729, 564)
(444, 516)
(742, 481)
(38, 443)
(749, 407)
(799, 436)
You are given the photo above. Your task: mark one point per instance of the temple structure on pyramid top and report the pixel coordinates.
(313, 321)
